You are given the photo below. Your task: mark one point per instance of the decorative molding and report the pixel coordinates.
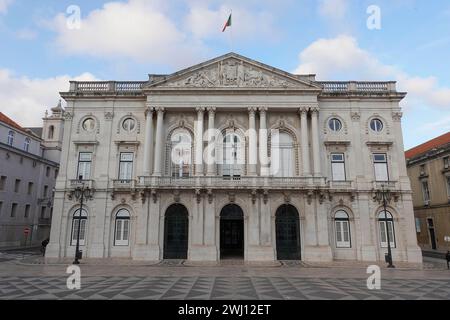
(253, 195)
(109, 116)
(68, 116)
(234, 73)
(198, 195)
(176, 196)
(210, 196)
(356, 116)
(232, 197)
(154, 195)
(397, 116)
(265, 196)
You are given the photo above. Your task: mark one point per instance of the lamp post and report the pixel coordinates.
(385, 196)
(80, 194)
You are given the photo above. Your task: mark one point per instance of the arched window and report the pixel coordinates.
(51, 132)
(232, 156)
(342, 225)
(181, 153)
(282, 155)
(386, 223)
(10, 137)
(26, 144)
(81, 221)
(122, 228)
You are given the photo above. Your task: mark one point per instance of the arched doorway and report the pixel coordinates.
(287, 233)
(231, 232)
(176, 224)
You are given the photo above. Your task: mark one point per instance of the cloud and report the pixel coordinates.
(204, 22)
(25, 100)
(4, 4)
(334, 9)
(336, 58)
(138, 29)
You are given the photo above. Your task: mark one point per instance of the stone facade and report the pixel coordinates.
(28, 168)
(429, 171)
(197, 210)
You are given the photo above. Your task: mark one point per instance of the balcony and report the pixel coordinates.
(391, 185)
(231, 182)
(74, 183)
(124, 184)
(341, 185)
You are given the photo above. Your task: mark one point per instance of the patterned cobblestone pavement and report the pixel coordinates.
(23, 276)
(228, 288)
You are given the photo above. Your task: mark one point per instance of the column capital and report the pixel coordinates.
(263, 109)
(252, 110)
(200, 109)
(149, 111)
(315, 110)
(160, 110)
(303, 110)
(211, 109)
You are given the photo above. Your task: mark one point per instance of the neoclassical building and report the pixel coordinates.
(233, 158)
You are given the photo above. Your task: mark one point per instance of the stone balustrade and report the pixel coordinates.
(136, 86)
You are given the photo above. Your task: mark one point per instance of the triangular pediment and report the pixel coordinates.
(235, 72)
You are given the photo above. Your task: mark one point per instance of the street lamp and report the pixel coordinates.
(81, 193)
(385, 196)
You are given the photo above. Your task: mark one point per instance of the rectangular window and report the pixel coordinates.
(47, 172)
(122, 231)
(75, 231)
(448, 185)
(417, 225)
(126, 166)
(84, 165)
(381, 167)
(27, 211)
(384, 236)
(338, 167)
(426, 192)
(17, 186)
(446, 162)
(342, 234)
(2, 183)
(13, 210)
(45, 193)
(56, 173)
(30, 188)
(43, 209)
(1, 206)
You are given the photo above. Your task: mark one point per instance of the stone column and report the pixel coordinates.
(159, 145)
(305, 141)
(252, 142)
(315, 141)
(148, 142)
(211, 171)
(263, 134)
(199, 142)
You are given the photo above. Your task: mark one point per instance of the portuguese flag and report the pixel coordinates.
(227, 24)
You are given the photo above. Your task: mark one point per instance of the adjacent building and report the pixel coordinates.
(232, 158)
(29, 165)
(429, 171)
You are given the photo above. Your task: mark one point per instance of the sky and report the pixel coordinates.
(46, 43)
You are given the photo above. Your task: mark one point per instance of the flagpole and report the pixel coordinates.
(231, 14)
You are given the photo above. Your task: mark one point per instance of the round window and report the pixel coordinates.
(89, 124)
(129, 124)
(376, 125)
(335, 124)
